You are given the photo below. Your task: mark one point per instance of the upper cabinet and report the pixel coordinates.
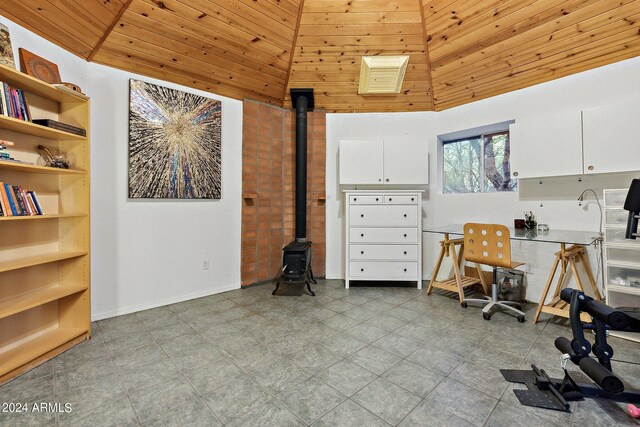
(388, 162)
(547, 145)
(610, 138)
(598, 140)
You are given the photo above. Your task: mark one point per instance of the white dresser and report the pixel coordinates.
(383, 235)
(622, 258)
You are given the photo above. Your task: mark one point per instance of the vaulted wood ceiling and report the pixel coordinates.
(460, 50)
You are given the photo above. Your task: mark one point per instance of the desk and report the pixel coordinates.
(567, 257)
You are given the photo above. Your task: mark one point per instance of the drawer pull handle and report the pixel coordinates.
(405, 235)
(390, 199)
(361, 252)
(405, 269)
(361, 234)
(412, 199)
(405, 252)
(361, 215)
(377, 199)
(362, 269)
(379, 179)
(355, 199)
(387, 179)
(405, 215)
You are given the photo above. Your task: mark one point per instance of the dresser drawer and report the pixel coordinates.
(369, 199)
(381, 270)
(384, 252)
(383, 216)
(401, 200)
(383, 235)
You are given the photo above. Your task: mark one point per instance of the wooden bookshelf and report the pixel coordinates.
(45, 275)
(7, 164)
(40, 217)
(33, 129)
(49, 343)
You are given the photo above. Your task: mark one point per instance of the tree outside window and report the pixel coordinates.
(478, 164)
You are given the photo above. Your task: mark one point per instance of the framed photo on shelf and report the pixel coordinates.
(38, 67)
(6, 51)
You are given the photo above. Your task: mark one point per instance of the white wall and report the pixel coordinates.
(553, 200)
(147, 253)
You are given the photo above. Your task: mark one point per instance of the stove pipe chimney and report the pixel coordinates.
(302, 100)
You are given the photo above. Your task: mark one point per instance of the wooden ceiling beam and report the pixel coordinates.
(292, 51)
(107, 33)
(426, 53)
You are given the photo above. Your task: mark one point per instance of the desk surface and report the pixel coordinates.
(552, 236)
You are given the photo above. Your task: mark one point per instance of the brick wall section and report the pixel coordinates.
(268, 185)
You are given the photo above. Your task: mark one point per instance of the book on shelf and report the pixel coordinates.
(16, 201)
(6, 156)
(65, 127)
(36, 204)
(13, 103)
(20, 206)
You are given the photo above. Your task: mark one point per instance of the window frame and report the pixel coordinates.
(479, 133)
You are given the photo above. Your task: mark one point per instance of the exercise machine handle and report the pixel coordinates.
(607, 314)
(566, 293)
(601, 376)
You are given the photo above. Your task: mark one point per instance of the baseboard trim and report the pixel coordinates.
(160, 303)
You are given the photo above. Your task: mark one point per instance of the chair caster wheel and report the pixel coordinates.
(486, 316)
(521, 319)
(463, 304)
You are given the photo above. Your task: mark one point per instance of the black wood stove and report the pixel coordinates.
(296, 256)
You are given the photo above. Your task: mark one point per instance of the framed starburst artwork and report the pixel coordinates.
(174, 144)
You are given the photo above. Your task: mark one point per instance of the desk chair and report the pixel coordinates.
(490, 244)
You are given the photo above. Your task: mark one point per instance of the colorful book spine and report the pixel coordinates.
(32, 205)
(5, 201)
(7, 99)
(25, 106)
(36, 202)
(21, 208)
(3, 101)
(25, 199)
(12, 204)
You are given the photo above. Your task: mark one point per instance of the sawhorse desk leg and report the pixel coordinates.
(458, 282)
(566, 258)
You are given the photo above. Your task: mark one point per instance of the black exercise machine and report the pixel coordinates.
(551, 393)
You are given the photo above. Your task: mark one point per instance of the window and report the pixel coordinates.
(478, 164)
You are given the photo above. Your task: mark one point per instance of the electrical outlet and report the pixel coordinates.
(205, 264)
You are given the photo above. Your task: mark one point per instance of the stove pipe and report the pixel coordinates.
(303, 102)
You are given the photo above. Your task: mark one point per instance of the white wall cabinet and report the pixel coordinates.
(610, 138)
(375, 162)
(383, 235)
(597, 140)
(547, 145)
(621, 258)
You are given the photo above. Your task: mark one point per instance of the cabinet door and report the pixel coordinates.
(361, 162)
(547, 145)
(406, 162)
(610, 138)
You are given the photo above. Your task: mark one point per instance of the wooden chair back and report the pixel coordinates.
(488, 244)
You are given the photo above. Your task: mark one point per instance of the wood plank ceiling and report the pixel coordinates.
(460, 50)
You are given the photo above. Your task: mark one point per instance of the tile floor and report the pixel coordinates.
(368, 356)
